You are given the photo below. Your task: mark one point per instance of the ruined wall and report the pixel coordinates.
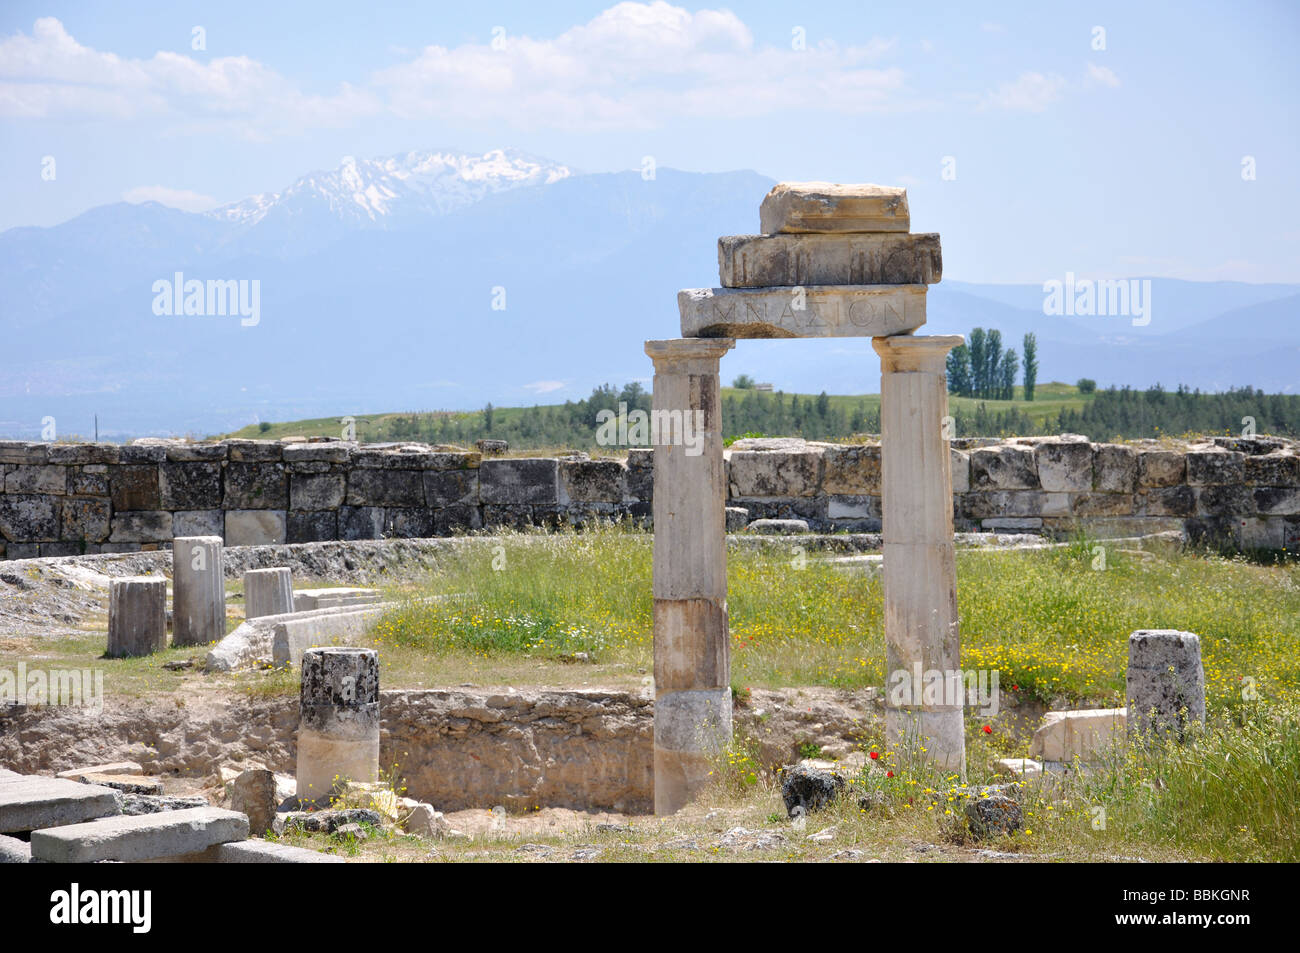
(68, 499)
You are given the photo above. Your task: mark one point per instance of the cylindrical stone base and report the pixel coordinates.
(937, 735)
(198, 590)
(267, 592)
(1165, 683)
(692, 729)
(338, 735)
(137, 616)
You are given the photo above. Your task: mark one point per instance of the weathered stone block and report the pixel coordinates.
(22, 451)
(1215, 467)
(135, 487)
(1273, 469)
(199, 523)
(142, 454)
(384, 487)
(817, 311)
(960, 462)
(190, 486)
(760, 473)
(593, 481)
(197, 453)
(318, 452)
(457, 518)
(450, 487)
(316, 491)
(29, 803)
(1006, 467)
(1114, 468)
(851, 470)
(1225, 500)
(1278, 500)
(1001, 503)
(1086, 735)
(1165, 685)
(534, 481)
(84, 453)
(409, 522)
(256, 486)
(255, 451)
(86, 520)
(1102, 504)
(1168, 501)
(1161, 468)
(142, 526)
(268, 592)
(255, 527)
(766, 261)
(361, 522)
(23, 478)
(312, 526)
(144, 837)
(831, 207)
(852, 507)
(1063, 466)
(89, 480)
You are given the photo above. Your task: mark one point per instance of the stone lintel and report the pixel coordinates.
(815, 311)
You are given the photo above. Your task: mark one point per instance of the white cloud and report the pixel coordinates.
(182, 199)
(1101, 76)
(545, 387)
(635, 65)
(1030, 92)
(49, 73)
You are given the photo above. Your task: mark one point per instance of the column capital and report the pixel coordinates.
(688, 349)
(915, 352)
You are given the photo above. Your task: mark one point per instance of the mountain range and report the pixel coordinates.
(441, 280)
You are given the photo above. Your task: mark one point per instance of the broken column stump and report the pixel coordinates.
(137, 616)
(338, 734)
(1165, 683)
(267, 592)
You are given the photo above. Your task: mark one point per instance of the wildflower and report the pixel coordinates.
(875, 755)
(987, 730)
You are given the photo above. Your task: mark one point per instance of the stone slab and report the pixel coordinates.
(111, 767)
(1085, 734)
(292, 636)
(29, 803)
(14, 851)
(307, 599)
(817, 311)
(765, 261)
(832, 207)
(257, 852)
(143, 837)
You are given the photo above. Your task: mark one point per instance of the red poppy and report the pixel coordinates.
(875, 755)
(889, 774)
(987, 730)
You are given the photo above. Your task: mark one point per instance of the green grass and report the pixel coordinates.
(1049, 400)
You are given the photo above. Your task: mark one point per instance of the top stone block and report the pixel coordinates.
(826, 207)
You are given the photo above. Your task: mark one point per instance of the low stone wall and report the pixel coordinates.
(69, 499)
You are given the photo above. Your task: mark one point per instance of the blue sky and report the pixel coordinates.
(1125, 160)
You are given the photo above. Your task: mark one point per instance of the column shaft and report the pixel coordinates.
(691, 639)
(923, 646)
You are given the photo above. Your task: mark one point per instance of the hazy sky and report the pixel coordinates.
(1105, 139)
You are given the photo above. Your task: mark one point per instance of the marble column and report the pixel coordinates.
(198, 590)
(338, 731)
(267, 592)
(691, 641)
(923, 704)
(137, 616)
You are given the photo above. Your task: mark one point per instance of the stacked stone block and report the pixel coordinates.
(68, 499)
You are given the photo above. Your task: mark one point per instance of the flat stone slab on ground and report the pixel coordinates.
(257, 852)
(14, 851)
(773, 527)
(832, 207)
(126, 783)
(307, 599)
(1085, 734)
(817, 311)
(112, 767)
(144, 837)
(765, 261)
(29, 803)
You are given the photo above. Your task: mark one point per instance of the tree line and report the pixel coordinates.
(983, 369)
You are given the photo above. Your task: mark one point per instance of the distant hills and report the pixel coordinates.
(377, 289)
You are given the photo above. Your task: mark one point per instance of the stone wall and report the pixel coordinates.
(67, 499)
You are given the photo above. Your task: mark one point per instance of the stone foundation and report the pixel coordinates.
(70, 499)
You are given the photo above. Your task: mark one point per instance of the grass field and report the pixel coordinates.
(1049, 400)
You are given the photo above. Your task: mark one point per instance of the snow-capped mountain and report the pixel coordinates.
(381, 192)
